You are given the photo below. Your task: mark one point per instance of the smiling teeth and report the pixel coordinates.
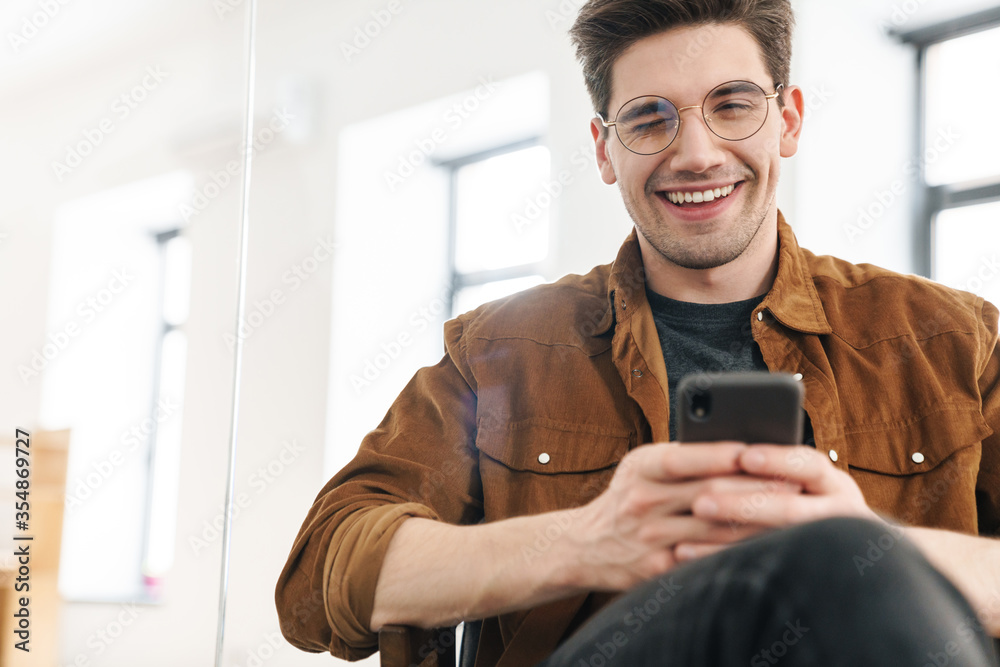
(699, 197)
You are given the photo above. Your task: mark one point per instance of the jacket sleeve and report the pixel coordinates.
(988, 481)
(419, 462)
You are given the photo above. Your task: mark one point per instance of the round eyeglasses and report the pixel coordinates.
(733, 111)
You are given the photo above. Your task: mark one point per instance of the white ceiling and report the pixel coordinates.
(82, 34)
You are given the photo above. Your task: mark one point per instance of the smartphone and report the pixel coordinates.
(747, 407)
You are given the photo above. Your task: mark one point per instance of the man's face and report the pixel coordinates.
(683, 65)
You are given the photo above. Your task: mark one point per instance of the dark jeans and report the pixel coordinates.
(835, 592)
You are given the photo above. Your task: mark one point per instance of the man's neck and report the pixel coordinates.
(749, 275)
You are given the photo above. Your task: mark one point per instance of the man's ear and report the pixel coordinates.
(791, 120)
(603, 159)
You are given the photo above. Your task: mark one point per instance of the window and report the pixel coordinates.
(440, 207)
(163, 473)
(957, 147)
(499, 222)
(120, 288)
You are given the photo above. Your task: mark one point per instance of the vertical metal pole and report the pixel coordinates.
(923, 246)
(251, 35)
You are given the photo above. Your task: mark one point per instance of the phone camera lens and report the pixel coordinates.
(701, 405)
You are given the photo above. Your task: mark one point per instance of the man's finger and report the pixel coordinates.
(687, 551)
(670, 462)
(779, 509)
(668, 531)
(662, 499)
(797, 464)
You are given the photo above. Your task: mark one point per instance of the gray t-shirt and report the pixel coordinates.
(704, 338)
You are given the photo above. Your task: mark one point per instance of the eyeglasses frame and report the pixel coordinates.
(777, 91)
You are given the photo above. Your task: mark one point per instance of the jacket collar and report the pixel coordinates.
(792, 299)
(628, 276)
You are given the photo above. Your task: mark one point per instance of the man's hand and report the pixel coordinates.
(628, 534)
(826, 491)
(654, 513)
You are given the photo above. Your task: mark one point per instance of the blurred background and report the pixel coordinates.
(411, 160)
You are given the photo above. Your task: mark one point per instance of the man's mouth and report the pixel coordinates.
(686, 198)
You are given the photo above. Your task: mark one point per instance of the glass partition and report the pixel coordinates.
(118, 237)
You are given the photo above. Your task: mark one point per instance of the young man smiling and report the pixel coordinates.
(548, 422)
(725, 249)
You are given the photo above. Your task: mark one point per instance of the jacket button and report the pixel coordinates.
(637, 373)
(797, 377)
(760, 316)
(917, 457)
(833, 455)
(544, 458)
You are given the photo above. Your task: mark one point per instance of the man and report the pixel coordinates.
(508, 483)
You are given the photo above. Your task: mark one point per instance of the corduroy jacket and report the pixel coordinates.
(900, 376)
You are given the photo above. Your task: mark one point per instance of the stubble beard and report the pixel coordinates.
(707, 251)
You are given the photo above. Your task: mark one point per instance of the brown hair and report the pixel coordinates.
(605, 29)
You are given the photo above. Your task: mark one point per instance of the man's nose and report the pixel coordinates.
(695, 148)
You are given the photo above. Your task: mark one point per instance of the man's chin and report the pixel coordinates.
(699, 262)
(706, 251)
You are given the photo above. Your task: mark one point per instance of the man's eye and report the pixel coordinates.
(658, 125)
(733, 109)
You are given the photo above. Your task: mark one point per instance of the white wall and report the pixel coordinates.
(430, 49)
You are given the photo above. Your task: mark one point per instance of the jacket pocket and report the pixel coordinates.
(920, 471)
(548, 447)
(914, 446)
(539, 465)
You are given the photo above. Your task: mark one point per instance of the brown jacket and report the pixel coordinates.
(900, 376)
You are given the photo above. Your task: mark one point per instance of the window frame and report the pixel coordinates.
(150, 585)
(931, 200)
(459, 280)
